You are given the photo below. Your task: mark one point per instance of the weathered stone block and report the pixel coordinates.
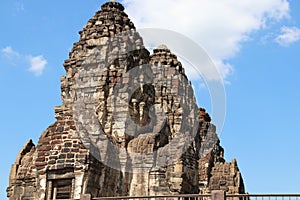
(159, 159)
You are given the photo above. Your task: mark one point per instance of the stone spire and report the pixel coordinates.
(129, 125)
(109, 6)
(106, 23)
(162, 54)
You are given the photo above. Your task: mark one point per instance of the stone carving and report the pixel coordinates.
(122, 129)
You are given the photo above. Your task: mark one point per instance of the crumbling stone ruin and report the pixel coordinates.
(129, 125)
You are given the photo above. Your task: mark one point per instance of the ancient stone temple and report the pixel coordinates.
(129, 125)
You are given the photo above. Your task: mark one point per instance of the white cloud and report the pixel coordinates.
(8, 52)
(288, 36)
(19, 7)
(37, 64)
(220, 27)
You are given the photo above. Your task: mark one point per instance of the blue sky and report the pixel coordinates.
(253, 43)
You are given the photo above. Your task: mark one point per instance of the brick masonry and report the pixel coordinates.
(129, 125)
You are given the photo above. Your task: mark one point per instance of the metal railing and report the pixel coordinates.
(162, 197)
(216, 195)
(263, 196)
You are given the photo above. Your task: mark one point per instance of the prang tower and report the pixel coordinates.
(129, 125)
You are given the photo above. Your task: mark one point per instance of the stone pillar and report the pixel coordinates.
(85, 197)
(218, 195)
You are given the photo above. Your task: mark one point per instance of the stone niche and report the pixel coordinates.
(155, 143)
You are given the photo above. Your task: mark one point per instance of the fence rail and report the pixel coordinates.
(263, 196)
(215, 195)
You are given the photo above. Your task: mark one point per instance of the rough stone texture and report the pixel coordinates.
(156, 141)
(22, 179)
(226, 176)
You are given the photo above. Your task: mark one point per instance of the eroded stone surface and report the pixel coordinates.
(129, 124)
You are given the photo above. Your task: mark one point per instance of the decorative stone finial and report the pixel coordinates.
(162, 47)
(112, 4)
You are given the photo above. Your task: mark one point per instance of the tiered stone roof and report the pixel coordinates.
(129, 124)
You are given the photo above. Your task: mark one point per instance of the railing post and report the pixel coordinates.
(85, 197)
(218, 195)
